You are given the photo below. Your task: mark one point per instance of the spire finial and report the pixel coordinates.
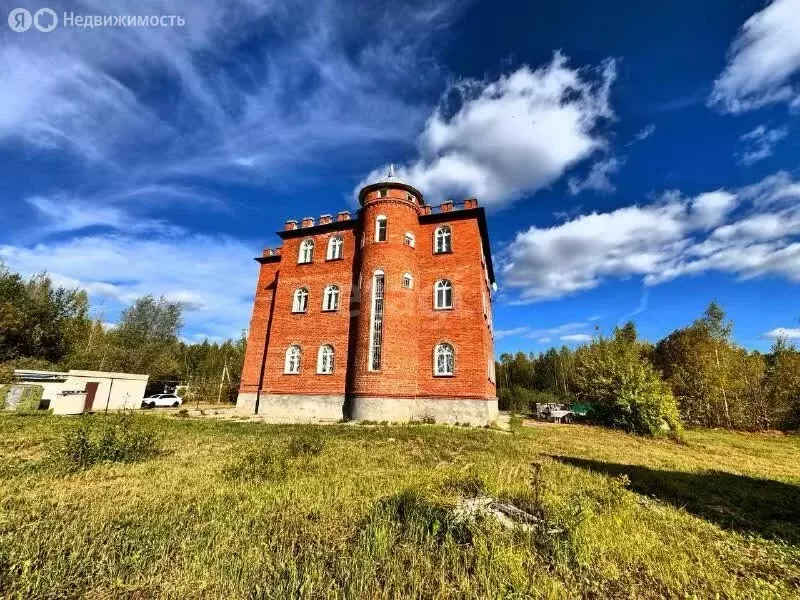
(391, 170)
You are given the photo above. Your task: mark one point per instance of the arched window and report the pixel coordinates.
(443, 294)
(444, 360)
(442, 240)
(335, 245)
(292, 364)
(380, 228)
(325, 360)
(330, 299)
(306, 251)
(408, 240)
(300, 302)
(408, 281)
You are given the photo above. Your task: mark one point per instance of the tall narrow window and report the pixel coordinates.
(330, 299)
(380, 229)
(300, 302)
(444, 361)
(408, 240)
(306, 251)
(443, 295)
(292, 364)
(408, 281)
(335, 247)
(325, 360)
(376, 327)
(442, 240)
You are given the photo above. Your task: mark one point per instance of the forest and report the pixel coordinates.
(696, 376)
(46, 326)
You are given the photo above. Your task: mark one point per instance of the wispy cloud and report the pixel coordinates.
(760, 143)
(321, 83)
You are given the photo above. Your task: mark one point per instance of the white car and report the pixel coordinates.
(162, 400)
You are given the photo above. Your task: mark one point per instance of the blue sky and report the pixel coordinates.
(636, 161)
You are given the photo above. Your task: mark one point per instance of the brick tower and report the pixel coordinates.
(385, 317)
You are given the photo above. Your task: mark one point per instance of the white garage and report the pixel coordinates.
(76, 391)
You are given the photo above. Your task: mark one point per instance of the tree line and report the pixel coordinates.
(696, 376)
(47, 327)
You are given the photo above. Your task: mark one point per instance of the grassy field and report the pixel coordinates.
(247, 510)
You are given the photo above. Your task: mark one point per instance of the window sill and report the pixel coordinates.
(311, 262)
(445, 375)
(330, 310)
(291, 373)
(299, 312)
(442, 252)
(334, 259)
(319, 373)
(444, 309)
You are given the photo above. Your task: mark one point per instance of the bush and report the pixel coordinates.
(119, 438)
(624, 389)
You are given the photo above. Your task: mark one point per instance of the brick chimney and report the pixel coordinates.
(290, 224)
(426, 210)
(343, 215)
(278, 250)
(325, 219)
(447, 206)
(268, 252)
(471, 203)
(307, 222)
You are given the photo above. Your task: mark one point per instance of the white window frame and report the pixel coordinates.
(335, 247)
(326, 357)
(292, 360)
(376, 333)
(378, 220)
(409, 240)
(443, 240)
(410, 278)
(442, 348)
(332, 291)
(306, 254)
(300, 300)
(444, 285)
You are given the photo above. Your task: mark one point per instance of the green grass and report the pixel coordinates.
(246, 510)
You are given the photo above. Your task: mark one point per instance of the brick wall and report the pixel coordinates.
(412, 328)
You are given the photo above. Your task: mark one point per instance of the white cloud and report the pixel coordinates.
(511, 136)
(762, 61)
(577, 338)
(760, 143)
(753, 232)
(212, 276)
(598, 178)
(499, 334)
(789, 333)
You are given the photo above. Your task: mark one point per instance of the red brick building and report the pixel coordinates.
(382, 317)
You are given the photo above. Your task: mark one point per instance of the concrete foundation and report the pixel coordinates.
(299, 408)
(442, 410)
(292, 408)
